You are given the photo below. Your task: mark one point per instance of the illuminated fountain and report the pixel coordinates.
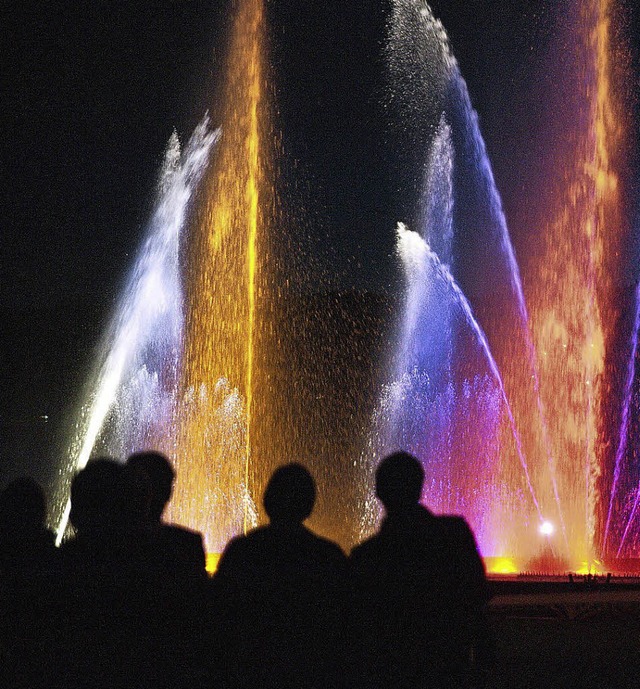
(222, 366)
(516, 393)
(550, 446)
(211, 318)
(226, 297)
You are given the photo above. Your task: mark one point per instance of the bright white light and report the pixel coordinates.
(547, 528)
(411, 248)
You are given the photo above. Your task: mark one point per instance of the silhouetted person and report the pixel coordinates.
(178, 558)
(29, 578)
(281, 592)
(419, 590)
(27, 547)
(179, 550)
(101, 500)
(118, 629)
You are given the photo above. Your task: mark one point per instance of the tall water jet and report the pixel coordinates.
(460, 212)
(226, 297)
(132, 393)
(578, 298)
(623, 441)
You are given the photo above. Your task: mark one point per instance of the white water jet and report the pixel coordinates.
(135, 379)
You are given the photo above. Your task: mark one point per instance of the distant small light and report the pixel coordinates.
(547, 528)
(45, 417)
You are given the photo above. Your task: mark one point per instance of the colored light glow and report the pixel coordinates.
(546, 528)
(501, 565)
(252, 259)
(595, 567)
(575, 299)
(211, 563)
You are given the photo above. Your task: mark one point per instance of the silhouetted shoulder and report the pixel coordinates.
(277, 549)
(332, 550)
(183, 537)
(239, 546)
(364, 551)
(456, 526)
(238, 562)
(458, 531)
(180, 550)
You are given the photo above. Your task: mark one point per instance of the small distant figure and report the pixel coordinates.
(418, 591)
(281, 592)
(178, 550)
(27, 547)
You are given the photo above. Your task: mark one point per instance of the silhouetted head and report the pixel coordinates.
(22, 506)
(290, 494)
(161, 476)
(99, 496)
(399, 480)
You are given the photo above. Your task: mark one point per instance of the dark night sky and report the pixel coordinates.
(90, 95)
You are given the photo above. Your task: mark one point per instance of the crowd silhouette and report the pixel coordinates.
(126, 602)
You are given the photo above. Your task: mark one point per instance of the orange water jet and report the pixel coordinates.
(574, 300)
(225, 287)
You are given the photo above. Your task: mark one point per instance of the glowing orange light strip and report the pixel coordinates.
(253, 145)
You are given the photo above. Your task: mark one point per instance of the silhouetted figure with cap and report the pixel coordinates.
(281, 589)
(418, 590)
(178, 550)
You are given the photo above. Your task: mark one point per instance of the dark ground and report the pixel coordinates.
(566, 654)
(552, 634)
